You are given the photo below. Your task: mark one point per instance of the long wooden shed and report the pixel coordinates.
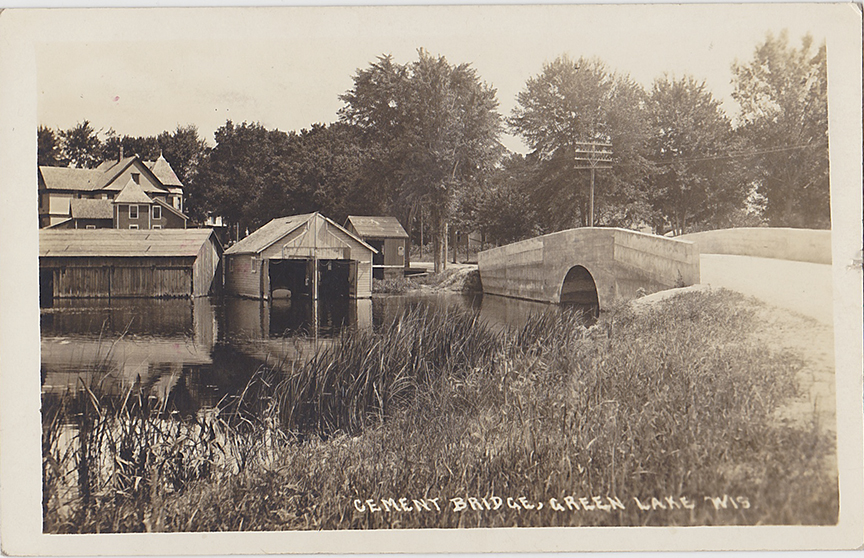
(302, 255)
(106, 263)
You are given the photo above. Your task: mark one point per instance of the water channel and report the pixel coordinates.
(190, 354)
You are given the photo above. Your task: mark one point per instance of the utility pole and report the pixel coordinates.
(593, 155)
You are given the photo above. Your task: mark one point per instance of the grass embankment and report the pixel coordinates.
(664, 409)
(465, 279)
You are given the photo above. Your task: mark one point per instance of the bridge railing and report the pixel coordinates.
(802, 245)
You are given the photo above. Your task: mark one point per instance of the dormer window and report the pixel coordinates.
(133, 212)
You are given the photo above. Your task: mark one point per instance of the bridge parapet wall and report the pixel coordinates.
(534, 269)
(802, 245)
(667, 262)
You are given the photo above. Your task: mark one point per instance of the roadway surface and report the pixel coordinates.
(802, 287)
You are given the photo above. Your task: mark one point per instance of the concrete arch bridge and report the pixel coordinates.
(588, 266)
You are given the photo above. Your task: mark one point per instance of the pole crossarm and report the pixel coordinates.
(597, 155)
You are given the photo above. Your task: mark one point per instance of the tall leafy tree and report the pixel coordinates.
(184, 150)
(146, 147)
(245, 178)
(694, 182)
(430, 127)
(81, 145)
(572, 102)
(48, 151)
(501, 207)
(782, 93)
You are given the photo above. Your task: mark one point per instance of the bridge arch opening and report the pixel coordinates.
(579, 288)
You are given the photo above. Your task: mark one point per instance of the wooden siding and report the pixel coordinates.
(121, 213)
(151, 281)
(120, 277)
(168, 220)
(136, 276)
(243, 275)
(248, 275)
(206, 271)
(364, 279)
(391, 251)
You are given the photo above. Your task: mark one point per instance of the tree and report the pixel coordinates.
(326, 164)
(184, 150)
(782, 93)
(694, 182)
(48, 151)
(430, 128)
(571, 102)
(501, 207)
(145, 147)
(81, 146)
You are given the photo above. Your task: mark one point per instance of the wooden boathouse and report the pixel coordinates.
(387, 236)
(302, 255)
(106, 263)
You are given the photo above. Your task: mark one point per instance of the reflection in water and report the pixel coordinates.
(192, 354)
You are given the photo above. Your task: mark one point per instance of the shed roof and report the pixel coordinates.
(278, 228)
(122, 242)
(132, 193)
(377, 227)
(91, 209)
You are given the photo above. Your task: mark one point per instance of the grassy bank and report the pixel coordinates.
(666, 416)
(461, 280)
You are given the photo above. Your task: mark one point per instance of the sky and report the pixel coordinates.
(141, 72)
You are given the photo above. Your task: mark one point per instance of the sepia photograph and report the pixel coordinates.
(428, 278)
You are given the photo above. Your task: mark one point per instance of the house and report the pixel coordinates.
(302, 255)
(387, 236)
(60, 186)
(112, 263)
(130, 209)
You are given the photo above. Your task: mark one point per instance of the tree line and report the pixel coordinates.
(421, 141)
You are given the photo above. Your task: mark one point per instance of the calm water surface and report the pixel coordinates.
(193, 353)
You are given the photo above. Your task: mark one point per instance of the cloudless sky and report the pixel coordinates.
(141, 72)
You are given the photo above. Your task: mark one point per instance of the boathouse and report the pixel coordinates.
(387, 236)
(106, 263)
(302, 255)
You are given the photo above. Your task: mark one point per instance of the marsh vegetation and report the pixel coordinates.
(436, 419)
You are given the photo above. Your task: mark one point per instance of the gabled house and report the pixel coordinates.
(60, 186)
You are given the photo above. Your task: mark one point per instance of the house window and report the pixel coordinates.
(252, 265)
(133, 212)
(157, 211)
(136, 177)
(157, 226)
(89, 226)
(133, 227)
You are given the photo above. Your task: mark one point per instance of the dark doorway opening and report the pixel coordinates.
(377, 258)
(290, 275)
(46, 287)
(334, 279)
(579, 289)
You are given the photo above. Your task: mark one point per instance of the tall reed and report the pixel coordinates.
(678, 400)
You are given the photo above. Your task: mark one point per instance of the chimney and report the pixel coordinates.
(121, 153)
